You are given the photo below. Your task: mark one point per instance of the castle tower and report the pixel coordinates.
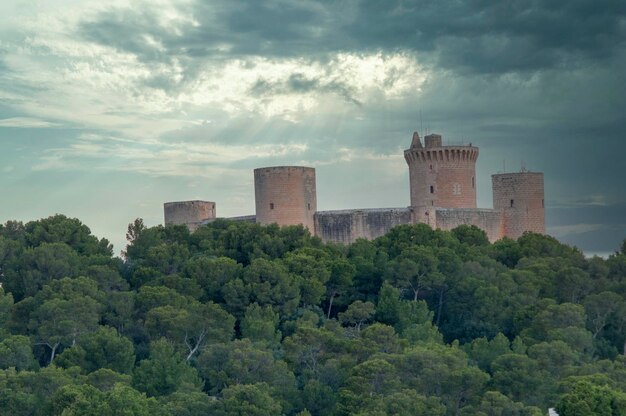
(285, 195)
(520, 198)
(440, 176)
(189, 213)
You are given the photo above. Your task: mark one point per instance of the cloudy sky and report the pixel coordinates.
(110, 108)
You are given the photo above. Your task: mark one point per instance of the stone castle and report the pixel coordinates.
(443, 195)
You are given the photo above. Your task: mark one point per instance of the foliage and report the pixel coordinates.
(238, 318)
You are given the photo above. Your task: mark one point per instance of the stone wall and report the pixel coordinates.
(190, 213)
(345, 226)
(243, 218)
(520, 196)
(285, 195)
(240, 218)
(489, 220)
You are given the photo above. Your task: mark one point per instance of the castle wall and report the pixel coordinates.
(520, 197)
(243, 218)
(240, 218)
(285, 195)
(190, 213)
(425, 215)
(345, 226)
(441, 176)
(489, 220)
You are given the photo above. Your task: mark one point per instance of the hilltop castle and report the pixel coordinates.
(443, 195)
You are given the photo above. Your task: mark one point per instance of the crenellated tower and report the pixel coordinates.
(440, 176)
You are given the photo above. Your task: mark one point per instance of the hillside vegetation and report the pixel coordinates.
(242, 319)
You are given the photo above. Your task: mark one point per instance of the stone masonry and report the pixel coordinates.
(520, 197)
(346, 226)
(285, 195)
(191, 213)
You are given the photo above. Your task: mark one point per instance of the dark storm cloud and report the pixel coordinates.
(606, 223)
(603, 242)
(224, 29)
(609, 215)
(298, 83)
(476, 36)
(276, 27)
(494, 36)
(294, 83)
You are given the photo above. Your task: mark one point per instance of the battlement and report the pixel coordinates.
(282, 170)
(442, 154)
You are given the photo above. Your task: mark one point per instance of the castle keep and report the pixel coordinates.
(442, 189)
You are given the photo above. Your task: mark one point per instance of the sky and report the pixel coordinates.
(109, 109)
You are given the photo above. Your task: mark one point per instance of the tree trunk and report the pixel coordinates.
(192, 352)
(53, 352)
(194, 349)
(330, 302)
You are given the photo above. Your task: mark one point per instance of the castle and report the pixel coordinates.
(443, 195)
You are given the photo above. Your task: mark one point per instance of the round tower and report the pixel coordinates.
(285, 195)
(520, 197)
(441, 176)
(189, 213)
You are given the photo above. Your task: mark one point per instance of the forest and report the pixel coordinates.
(242, 319)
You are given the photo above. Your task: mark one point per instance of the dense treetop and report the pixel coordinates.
(242, 319)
